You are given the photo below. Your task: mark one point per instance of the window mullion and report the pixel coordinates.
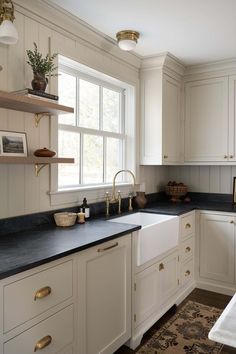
(104, 159)
(77, 101)
(100, 107)
(81, 158)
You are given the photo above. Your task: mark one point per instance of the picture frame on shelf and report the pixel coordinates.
(234, 190)
(13, 143)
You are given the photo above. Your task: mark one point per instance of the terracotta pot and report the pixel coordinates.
(39, 82)
(140, 199)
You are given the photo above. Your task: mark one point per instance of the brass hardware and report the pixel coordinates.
(231, 222)
(130, 202)
(178, 258)
(225, 157)
(187, 273)
(127, 35)
(107, 204)
(135, 287)
(178, 281)
(231, 156)
(6, 11)
(134, 317)
(107, 248)
(41, 293)
(39, 116)
(161, 266)
(165, 156)
(43, 343)
(187, 226)
(187, 249)
(119, 202)
(38, 167)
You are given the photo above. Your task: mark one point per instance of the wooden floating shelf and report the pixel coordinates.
(39, 162)
(34, 160)
(32, 105)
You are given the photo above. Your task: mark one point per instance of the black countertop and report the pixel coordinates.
(28, 249)
(179, 208)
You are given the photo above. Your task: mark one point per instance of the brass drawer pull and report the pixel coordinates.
(41, 293)
(42, 343)
(161, 266)
(188, 226)
(187, 273)
(187, 249)
(107, 248)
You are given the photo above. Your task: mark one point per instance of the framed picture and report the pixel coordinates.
(234, 191)
(13, 143)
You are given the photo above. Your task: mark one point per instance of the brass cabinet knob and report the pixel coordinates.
(43, 343)
(165, 156)
(43, 292)
(231, 156)
(161, 266)
(187, 226)
(225, 157)
(187, 273)
(231, 222)
(187, 249)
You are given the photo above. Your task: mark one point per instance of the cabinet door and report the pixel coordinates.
(206, 120)
(232, 118)
(168, 277)
(171, 138)
(217, 247)
(145, 294)
(104, 295)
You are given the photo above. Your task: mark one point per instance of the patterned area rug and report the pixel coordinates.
(186, 332)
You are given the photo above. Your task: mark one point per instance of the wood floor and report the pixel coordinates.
(202, 296)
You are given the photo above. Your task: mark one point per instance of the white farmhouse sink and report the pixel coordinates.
(159, 234)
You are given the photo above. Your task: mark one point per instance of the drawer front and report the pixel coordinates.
(186, 272)
(187, 248)
(31, 296)
(56, 332)
(187, 225)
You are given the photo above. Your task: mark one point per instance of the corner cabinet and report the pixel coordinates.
(160, 118)
(104, 296)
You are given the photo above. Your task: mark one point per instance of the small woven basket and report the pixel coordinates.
(176, 191)
(65, 219)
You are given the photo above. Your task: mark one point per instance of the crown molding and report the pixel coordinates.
(165, 61)
(223, 66)
(56, 18)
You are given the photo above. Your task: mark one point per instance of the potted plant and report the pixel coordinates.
(42, 67)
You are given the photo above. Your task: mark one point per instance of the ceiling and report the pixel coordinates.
(195, 31)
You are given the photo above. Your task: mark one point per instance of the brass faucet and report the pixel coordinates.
(117, 197)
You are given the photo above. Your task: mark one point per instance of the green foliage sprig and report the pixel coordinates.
(40, 65)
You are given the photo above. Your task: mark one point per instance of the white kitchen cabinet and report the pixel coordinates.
(232, 118)
(206, 120)
(160, 118)
(217, 247)
(104, 296)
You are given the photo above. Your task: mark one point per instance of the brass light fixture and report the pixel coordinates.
(8, 32)
(127, 39)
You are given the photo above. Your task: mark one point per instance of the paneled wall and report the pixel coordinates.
(206, 179)
(21, 192)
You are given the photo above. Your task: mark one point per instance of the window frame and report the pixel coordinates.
(95, 192)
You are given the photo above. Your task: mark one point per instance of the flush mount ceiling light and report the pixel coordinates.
(127, 39)
(8, 32)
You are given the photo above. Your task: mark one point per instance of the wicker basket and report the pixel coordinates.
(65, 219)
(176, 191)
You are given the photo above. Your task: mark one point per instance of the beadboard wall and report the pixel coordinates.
(205, 179)
(21, 192)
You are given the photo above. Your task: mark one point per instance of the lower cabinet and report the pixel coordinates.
(217, 247)
(104, 296)
(154, 286)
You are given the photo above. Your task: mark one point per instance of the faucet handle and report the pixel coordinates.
(130, 201)
(119, 202)
(107, 203)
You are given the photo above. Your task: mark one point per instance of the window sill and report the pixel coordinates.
(74, 196)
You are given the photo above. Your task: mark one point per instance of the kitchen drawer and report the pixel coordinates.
(187, 227)
(187, 248)
(186, 272)
(20, 301)
(57, 328)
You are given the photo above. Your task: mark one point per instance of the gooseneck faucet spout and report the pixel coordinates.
(114, 196)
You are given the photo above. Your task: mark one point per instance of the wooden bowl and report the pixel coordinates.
(65, 219)
(44, 153)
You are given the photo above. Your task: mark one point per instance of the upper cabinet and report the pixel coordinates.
(161, 111)
(206, 120)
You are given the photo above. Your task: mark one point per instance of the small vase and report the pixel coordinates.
(140, 199)
(39, 82)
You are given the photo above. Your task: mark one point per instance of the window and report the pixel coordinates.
(96, 134)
